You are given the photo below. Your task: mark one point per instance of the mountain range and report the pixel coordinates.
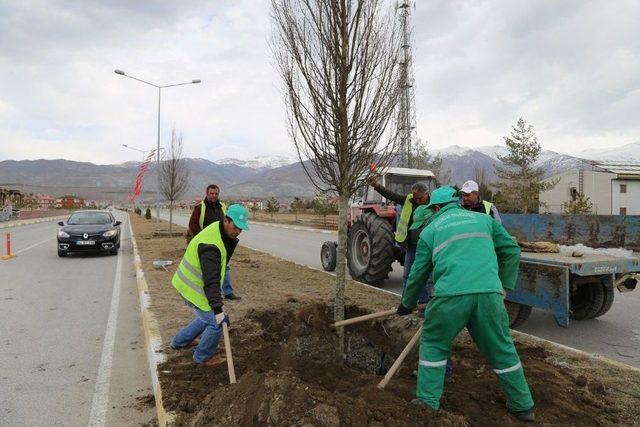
(261, 177)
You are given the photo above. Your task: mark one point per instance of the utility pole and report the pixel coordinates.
(405, 116)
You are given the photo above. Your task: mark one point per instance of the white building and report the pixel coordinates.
(612, 187)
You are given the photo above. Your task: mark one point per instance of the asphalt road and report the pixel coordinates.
(72, 349)
(615, 335)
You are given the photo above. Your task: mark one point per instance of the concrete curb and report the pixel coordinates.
(21, 222)
(152, 337)
(294, 227)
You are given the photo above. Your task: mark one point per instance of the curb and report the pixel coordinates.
(152, 338)
(20, 222)
(295, 227)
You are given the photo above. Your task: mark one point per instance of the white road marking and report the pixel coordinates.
(34, 245)
(101, 395)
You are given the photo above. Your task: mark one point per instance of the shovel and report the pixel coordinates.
(227, 349)
(396, 365)
(365, 317)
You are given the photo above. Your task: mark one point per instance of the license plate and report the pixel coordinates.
(85, 242)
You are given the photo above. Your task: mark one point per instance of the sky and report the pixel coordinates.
(570, 68)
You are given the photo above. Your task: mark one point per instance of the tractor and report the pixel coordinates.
(372, 220)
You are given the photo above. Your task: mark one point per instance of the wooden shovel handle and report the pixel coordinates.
(227, 349)
(365, 317)
(400, 359)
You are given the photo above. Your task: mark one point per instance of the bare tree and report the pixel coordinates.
(338, 60)
(174, 175)
(480, 176)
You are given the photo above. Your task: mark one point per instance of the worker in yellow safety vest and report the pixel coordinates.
(419, 196)
(199, 279)
(471, 201)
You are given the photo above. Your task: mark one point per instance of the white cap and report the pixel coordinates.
(469, 187)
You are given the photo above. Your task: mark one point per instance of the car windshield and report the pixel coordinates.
(86, 218)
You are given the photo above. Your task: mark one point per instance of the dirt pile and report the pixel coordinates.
(288, 375)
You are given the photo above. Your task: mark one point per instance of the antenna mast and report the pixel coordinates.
(405, 117)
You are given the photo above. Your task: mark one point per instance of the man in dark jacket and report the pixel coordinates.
(210, 210)
(419, 196)
(471, 201)
(198, 279)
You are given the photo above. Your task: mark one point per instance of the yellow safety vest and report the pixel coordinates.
(487, 207)
(203, 206)
(188, 278)
(405, 216)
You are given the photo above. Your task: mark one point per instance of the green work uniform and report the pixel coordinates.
(472, 258)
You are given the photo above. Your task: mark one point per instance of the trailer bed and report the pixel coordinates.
(587, 264)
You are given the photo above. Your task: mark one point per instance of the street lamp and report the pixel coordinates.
(195, 81)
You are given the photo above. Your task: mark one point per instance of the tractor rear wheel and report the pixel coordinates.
(370, 249)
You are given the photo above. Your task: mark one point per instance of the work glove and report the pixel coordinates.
(403, 311)
(222, 317)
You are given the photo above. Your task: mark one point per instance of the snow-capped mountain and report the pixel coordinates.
(259, 162)
(627, 153)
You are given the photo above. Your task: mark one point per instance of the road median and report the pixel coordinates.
(283, 348)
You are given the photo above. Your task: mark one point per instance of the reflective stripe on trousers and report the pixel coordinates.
(433, 364)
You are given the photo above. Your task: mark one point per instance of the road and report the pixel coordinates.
(615, 335)
(72, 351)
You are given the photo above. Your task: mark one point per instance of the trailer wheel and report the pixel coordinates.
(329, 255)
(587, 300)
(518, 313)
(370, 249)
(608, 301)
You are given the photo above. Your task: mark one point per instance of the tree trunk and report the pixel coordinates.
(170, 218)
(341, 270)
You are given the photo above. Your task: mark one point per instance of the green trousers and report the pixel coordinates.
(486, 318)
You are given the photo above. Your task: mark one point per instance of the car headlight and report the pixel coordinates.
(109, 233)
(62, 234)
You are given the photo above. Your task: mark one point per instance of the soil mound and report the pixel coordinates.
(288, 375)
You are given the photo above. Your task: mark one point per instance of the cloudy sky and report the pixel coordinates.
(570, 68)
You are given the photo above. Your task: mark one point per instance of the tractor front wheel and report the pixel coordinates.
(370, 249)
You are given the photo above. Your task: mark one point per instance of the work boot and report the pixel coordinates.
(232, 297)
(527, 416)
(214, 361)
(419, 402)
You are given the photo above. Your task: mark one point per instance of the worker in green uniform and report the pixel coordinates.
(472, 258)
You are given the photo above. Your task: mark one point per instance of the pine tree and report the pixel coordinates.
(273, 206)
(579, 205)
(520, 182)
(422, 159)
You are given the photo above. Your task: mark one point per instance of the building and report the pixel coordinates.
(45, 202)
(612, 187)
(70, 202)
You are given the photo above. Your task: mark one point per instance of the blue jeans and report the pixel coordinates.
(226, 284)
(409, 258)
(204, 324)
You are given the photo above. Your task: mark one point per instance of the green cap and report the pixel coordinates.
(420, 216)
(443, 195)
(239, 215)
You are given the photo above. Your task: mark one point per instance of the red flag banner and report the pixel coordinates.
(137, 186)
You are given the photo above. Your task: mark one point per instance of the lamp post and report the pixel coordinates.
(195, 81)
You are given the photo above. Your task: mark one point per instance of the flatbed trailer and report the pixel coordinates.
(572, 287)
